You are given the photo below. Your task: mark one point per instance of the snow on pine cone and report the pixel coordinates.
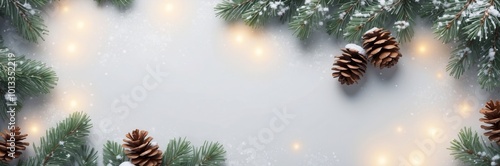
(381, 48)
(140, 150)
(350, 66)
(492, 117)
(5, 146)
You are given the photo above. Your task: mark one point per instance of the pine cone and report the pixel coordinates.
(141, 150)
(350, 66)
(492, 117)
(381, 48)
(8, 141)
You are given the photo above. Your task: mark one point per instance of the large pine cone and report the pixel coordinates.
(5, 144)
(350, 66)
(381, 48)
(492, 117)
(140, 150)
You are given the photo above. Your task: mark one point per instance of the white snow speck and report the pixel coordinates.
(400, 25)
(496, 157)
(61, 143)
(493, 11)
(154, 143)
(491, 54)
(126, 163)
(68, 155)
(355, 47)
(119, 157)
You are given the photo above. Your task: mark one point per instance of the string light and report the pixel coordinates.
(432, 131)
(169, 7)
(80, 24)
(382, 160)
(399, 129)
(34, 129)
(422, 48)
(258, 51)
(65, 8)
(465, 110)
(239, 38)
(439, 75)
(71, 48)
(296, 146)
(73, 103)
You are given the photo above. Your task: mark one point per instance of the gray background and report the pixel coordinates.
(226, 81)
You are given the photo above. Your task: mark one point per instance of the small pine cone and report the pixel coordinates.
(140, 150)
(350, 66)
(492, 117)
(381, 48)
(8, 141)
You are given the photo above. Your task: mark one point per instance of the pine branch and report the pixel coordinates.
(113, 153)
(122, 4)
(432, 9)
(470, 150)
(448, 26)
(489, 69)
(461, 59)
(86, 156)
(404, 13)
(231, 10)
(310, 16)
(66, 138)
(208, 154)
(339, 22)
(375, 14)
(177, 153)
(257, 14)
(32, 78)
(26, 19)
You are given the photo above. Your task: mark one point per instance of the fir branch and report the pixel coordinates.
(432, 9)
(489, 70)
(86, 156)
(26, 19)
(119, 3)
(32, 78)
(177, 153)
(404, 13)
(230, 10)
(470, 150)
(375, 14)
(208, 154)
(257, 14)
(461, 59)
(337, 25)
(66, 138)
(477, 22)
(448, 25)
(310, 16)
(113, 153)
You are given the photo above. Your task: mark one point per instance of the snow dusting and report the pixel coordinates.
(371, 30)
(491, 54)
(355, 47)
(126, 163)
(494, 12)
(400, 25)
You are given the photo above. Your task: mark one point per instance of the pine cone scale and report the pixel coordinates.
(381, 48)
(19, 145)
(491, 117)
(140, 149)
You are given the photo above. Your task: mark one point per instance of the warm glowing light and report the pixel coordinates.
(422, 48)
(296, 146)
(73, 103)
(80, 24)
(239, 38)
(432, 131)
(439, 75)
(169, 7)
(65, 9)
(417, 157)
(382, 160)
(34, 129)
(71, 48)
(258, 51)
(399, 129)
(465, 110)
